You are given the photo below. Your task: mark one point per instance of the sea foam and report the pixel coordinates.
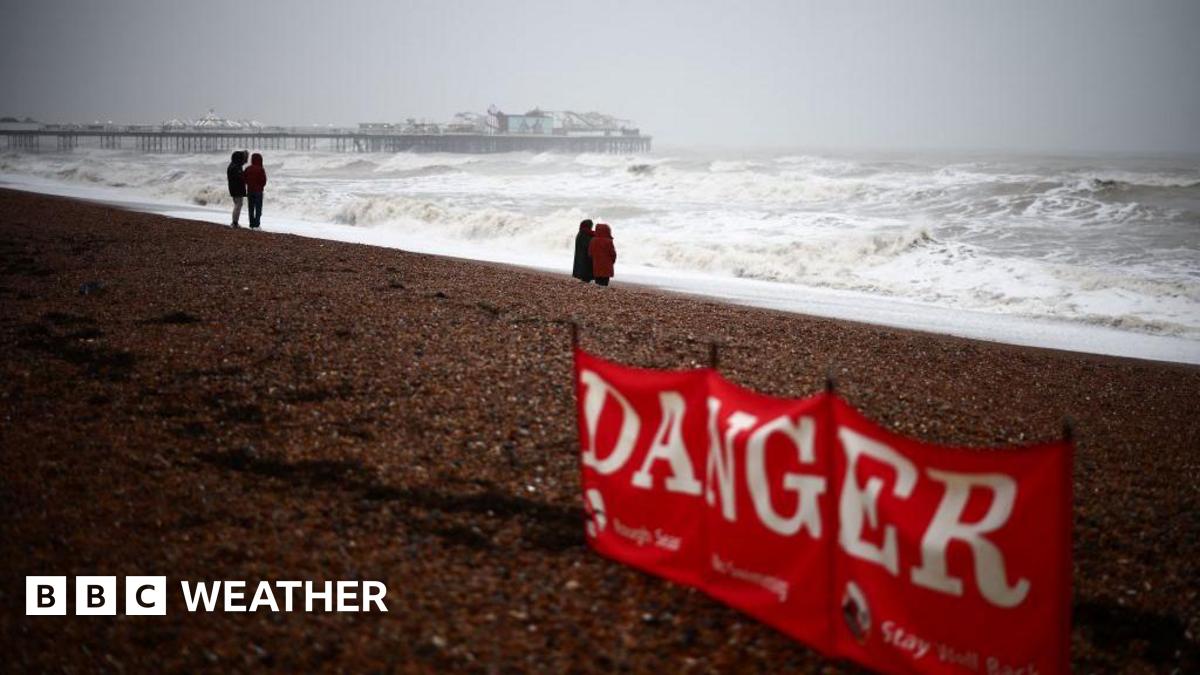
(1105, 243)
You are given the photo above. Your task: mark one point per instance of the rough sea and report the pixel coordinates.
(1105, 248)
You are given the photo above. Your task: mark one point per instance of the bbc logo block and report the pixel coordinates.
(45, 596)
(95, 596)
(146, 596)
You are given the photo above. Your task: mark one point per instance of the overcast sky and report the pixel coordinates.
(1038, 75)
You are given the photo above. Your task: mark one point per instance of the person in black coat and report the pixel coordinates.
(237, 182)
(583, 260)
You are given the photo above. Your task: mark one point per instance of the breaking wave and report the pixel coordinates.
(1114, 244)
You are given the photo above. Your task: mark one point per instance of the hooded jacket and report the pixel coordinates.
(583, 261)
(603, 252)
(237, 181)
(256, 175)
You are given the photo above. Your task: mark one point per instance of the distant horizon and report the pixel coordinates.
(661, 145)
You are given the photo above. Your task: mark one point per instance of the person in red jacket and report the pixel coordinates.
(604, 254)
(256, 180)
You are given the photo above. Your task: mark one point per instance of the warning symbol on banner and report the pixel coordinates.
(595, 510)
(856, 612)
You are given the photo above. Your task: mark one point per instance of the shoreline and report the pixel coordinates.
(845, 305)
(242, 405)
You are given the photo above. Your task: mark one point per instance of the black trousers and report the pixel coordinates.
(603, 281)
(255, 208)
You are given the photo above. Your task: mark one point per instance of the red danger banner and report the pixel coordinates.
(866, 545)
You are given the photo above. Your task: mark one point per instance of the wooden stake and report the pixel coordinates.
(1068, 429)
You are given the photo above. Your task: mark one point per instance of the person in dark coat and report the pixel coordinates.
(604, 254)
(256, 180)
(237, 182)
(583, 260)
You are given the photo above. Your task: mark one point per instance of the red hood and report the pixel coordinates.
(256, 159)
(603, 231)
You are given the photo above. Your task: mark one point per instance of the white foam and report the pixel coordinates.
(1011, 239)
(825, 302)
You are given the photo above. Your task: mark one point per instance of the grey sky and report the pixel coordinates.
(1037, 75)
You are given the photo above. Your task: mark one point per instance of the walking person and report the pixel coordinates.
(604, 254)
(583, 260)
(256, 180)
(237, 183)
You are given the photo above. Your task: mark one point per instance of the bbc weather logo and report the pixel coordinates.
(147, 596)
(95, 596)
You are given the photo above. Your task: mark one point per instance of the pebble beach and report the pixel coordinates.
(186, 399)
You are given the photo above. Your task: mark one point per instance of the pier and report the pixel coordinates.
(50, 139)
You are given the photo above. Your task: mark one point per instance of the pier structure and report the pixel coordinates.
(195, 140)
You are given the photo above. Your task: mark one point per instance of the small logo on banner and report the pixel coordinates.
(856, 612)
(597, 521)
